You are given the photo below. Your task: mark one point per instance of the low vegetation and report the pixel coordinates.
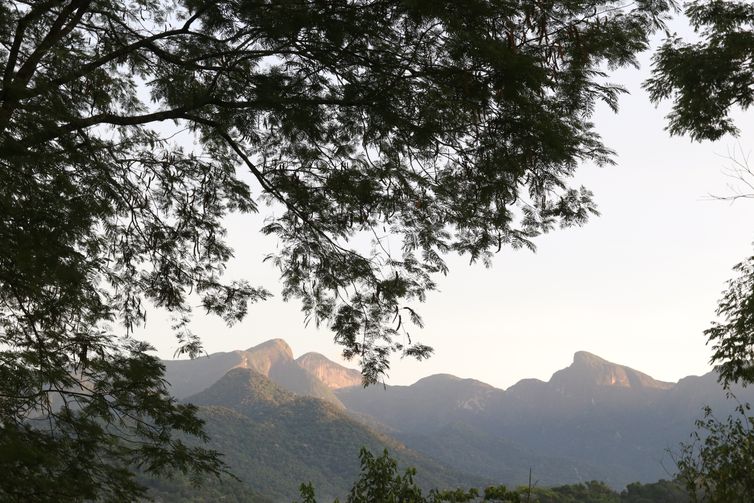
(381, 480)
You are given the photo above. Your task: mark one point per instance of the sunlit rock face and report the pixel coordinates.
(267, 355)
(588, 370)
(333, 375)
(272, 359)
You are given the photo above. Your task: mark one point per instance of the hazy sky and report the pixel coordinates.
(637, 285)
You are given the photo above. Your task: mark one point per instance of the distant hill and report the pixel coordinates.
(592, 420)
(427, 405)
(273, 359)
(498, 458)
(274, 440)
(589, 372)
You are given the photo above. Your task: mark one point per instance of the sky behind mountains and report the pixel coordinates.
(637, 285)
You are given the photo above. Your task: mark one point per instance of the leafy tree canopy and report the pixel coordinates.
(717, 466)
(129, 130)
(733, 336)
(667, 491)
(708, 78)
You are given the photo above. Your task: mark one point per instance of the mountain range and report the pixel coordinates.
(282, 421)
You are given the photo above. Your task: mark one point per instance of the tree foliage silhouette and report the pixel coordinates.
(129, 130)
(716, 466)
(381, 480)
(707, 80)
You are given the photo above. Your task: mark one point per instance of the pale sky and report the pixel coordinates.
(637, 285)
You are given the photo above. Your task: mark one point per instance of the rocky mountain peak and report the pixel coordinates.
(273, 346)
(589, 370)
(587, 358)
(334, 375)
(267, 355)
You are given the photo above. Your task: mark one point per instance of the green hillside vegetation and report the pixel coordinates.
(381, 481)
(594, 420)
(464, 447)
(273, 440)
(273, 359)
(180, 488)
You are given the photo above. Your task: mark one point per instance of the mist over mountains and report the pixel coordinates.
(282, 421)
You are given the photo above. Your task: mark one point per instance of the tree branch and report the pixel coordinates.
(59, 29)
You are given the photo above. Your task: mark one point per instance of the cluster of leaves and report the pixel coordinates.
(381, 480)
(718, 465)
(732, 339)
(708, 78)
(443, 125)
(668, 491)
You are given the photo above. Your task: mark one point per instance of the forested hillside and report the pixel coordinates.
(594, 420)
(273, 440)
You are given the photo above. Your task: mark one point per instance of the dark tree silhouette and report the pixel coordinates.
(451, 126)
